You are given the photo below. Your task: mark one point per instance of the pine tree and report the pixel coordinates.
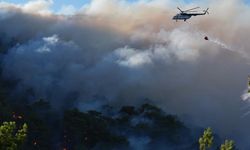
(228, 145)
(206, 140)
(11, 137)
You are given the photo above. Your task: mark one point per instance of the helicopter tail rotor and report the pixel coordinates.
(206, 11)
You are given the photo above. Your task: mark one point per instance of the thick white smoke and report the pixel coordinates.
(115, 52)
(55, 69)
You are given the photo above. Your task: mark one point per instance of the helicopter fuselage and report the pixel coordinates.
(182, 16)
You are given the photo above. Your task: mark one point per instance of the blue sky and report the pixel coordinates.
(76, 3)
(57, 3)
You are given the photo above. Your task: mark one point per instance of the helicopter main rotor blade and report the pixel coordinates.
(179, 9)
(192, 9)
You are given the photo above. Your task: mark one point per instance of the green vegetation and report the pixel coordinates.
(106, 129)
(206, 140)
(86, 130)
(228, 145)
(12, 138)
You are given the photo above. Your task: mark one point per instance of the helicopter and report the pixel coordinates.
(184, 15)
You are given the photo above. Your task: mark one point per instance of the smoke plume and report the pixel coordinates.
(118, 52)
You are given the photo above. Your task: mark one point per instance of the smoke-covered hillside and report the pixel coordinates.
(119, 53)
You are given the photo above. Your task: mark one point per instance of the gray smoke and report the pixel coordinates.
(115, 52)
(138, 143)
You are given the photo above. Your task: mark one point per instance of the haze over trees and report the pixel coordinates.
(130, 127)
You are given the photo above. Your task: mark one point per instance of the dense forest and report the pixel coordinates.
(129, 127)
